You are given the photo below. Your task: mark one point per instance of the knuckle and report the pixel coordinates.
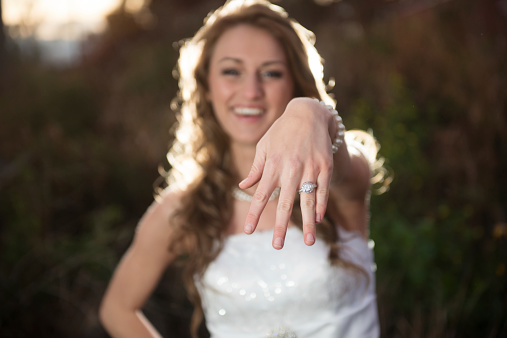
(252, 215)
(321, 206)
(294, 166)
(271, 164)
(309, 226)
(327, 167)
(279, 230)
(284, 206)
(260, 197)
(309, 203)
(322, 193)
(294, 163)
(259, 147)
(322, 202)
(254, 169)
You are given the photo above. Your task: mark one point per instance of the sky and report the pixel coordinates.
(59, 19)
(57, 27)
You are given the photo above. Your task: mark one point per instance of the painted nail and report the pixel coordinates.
(278, 243)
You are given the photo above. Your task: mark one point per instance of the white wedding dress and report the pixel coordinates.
(253, 290)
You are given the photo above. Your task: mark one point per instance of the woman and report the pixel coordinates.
(248, 83)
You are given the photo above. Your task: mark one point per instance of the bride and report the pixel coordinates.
(267, 196)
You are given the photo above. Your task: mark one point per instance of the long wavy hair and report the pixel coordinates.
(200, 159)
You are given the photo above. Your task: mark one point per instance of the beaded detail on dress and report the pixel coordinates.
(253, 290)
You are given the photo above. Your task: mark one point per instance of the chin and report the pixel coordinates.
(244, 141)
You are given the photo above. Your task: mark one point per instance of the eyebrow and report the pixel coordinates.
(236, 60)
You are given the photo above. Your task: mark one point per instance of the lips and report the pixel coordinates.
(248, 111)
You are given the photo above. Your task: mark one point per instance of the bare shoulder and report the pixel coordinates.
(154, 229)
(356, 183)
(352, 193)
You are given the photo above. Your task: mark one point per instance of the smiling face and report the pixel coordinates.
(250, 83)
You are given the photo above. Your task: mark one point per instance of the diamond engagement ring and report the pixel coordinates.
(307, 187)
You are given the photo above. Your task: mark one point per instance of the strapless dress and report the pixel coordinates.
(253, 290)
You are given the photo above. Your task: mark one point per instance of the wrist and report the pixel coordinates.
(336, 129)
(300, 106)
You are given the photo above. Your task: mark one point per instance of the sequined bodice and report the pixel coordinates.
(253, 290)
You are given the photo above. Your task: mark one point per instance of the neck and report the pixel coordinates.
(242, 158)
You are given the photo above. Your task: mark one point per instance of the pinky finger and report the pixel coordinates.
(321, 197)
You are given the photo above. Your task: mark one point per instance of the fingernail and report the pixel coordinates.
(318, 218)
(278, 243)
(248, 228)
(243, 181)
(310, 239)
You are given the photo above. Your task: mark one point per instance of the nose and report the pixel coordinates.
(253, 88)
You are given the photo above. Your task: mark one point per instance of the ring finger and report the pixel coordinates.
(307, 200)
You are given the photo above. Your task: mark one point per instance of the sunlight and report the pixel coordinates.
(59, 19)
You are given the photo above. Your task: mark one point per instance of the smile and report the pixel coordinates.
(248, 111)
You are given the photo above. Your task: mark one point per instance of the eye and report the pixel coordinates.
(230, 72)
(274, 74)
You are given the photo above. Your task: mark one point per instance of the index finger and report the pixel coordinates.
(260, 198)
(256, 170)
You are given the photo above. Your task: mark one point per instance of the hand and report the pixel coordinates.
(296, 149)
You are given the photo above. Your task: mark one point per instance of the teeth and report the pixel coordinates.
(248, 111)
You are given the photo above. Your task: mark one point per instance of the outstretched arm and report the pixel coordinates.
(297, 149)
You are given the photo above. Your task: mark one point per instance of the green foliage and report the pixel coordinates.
(440, 272)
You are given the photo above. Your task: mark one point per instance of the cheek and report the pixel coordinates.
(218, 103)
(219, 92)
(291, 88)
(213, 87)
(284, 93)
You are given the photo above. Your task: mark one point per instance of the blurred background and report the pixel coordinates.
(85, 92)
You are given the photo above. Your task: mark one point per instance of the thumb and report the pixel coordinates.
(255, 173)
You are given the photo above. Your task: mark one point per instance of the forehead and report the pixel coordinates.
(248, 43)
